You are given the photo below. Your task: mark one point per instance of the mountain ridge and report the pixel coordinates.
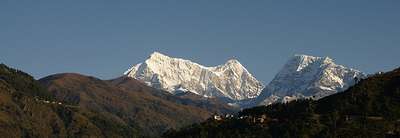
(229, 80)
(305, 76)
(370, 108)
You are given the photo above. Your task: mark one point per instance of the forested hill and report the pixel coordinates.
(371, 108)
(75, 105)
(27, 109)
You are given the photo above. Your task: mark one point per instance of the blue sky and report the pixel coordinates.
(104, 38)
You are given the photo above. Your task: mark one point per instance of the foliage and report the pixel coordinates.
(23, 82)
(27, 109)
(371, 108)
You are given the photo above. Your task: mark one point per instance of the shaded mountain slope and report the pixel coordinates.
(74, 105)
(378, 95)
(138, 105)
(28, 110)
(213, 105)
(368, 109)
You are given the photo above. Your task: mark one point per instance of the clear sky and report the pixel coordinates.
(104, 38)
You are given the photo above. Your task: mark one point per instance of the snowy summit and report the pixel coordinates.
(306, 76)
(230, 80)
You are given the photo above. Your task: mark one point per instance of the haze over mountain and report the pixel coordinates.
(230, 80)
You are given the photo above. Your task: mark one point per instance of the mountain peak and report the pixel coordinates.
(310, 76)
(232, 61)
(157, 55)
(230, 80)
(301, 61)
(309, 57)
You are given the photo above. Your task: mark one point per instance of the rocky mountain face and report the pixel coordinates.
(306, 76)
(230, 80)
(302, 76)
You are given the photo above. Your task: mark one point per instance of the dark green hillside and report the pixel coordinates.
(378, 95)
(29, 110)
(23, 83)
(371, 108)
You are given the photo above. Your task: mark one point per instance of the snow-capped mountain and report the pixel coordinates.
(230, 80)
(308, 77)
